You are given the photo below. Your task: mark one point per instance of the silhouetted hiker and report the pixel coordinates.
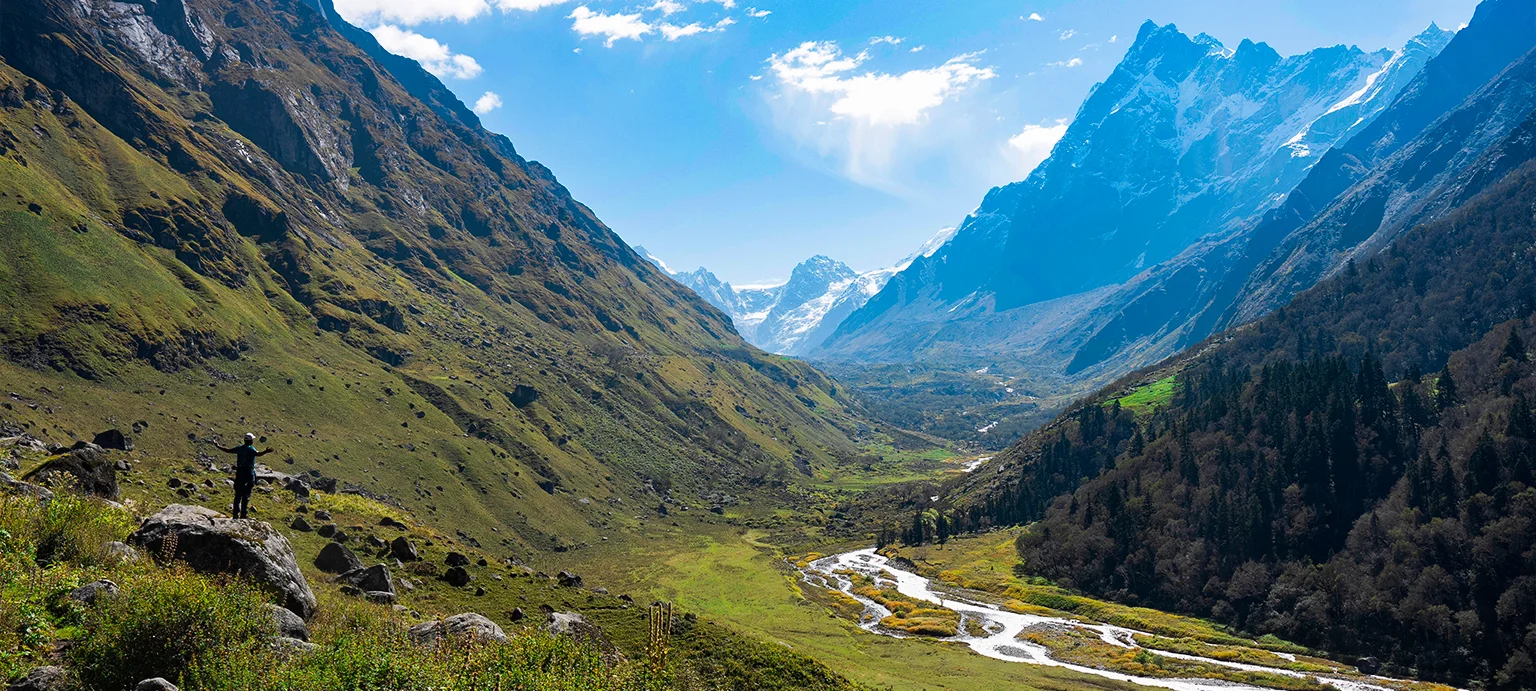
(245, 472)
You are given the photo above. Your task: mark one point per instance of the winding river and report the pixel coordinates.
(1002, 628)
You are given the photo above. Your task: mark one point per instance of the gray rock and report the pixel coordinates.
(568, 579)
(155, 684)
(380, 597)
(299, 487)
(326, 530)
(90, 593)
(119, 552)
(456, 559)
(403, 550)
(456, 577)
(576, 626)
(335, 558)
(210, 542)
(374, 578)
(50, 678)
(88, 468)
(113, 439)
(322, 515)
(468, 625)
(10, 485)
(288, 647)
(289, 625)
(300, 524)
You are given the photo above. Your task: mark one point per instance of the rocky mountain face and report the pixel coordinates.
(226, 215)
(1462, 123)
(794, 317)
(1186, 139)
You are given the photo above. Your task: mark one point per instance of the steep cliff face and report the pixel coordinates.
(1186, 138)
(1458, 126)
(251, 209)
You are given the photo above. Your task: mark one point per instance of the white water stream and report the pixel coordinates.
(1003, 627)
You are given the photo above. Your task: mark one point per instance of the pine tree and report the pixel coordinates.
(1445, 389)
(1514, 347)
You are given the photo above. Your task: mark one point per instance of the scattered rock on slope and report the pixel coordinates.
(372, 579)
(336, 558)
(88, 467)
(289, 625)
(467, 625)
(49, 678)
(210, 542)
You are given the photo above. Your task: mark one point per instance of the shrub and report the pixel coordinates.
(164, 622)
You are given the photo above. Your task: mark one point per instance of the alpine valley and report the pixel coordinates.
(1232, 392)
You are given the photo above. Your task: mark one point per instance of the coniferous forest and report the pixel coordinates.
(1353, 472)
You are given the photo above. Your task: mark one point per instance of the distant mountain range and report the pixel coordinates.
(1084, 270)
(794, 317)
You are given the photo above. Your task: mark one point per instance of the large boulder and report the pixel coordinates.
(372, 579)
(403, 550)
(456, 577)
(89, 468)
(113, 439)
(49, 678)
(288, 624)
(156, 684)
(210, 542)
(456, 559)
(336, 558)
(468, 625)
(568, 580)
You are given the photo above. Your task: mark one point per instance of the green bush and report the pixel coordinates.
(164, 622)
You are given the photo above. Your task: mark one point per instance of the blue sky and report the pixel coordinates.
(748, 135)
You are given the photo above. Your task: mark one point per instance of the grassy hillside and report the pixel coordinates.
(245, 222)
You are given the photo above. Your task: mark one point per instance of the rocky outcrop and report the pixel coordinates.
(468, 626)
(210, 542)
(88, 468)
(114, 440)
(403, 550)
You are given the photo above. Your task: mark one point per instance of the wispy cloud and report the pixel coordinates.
(1074, 62)
(757, 13)
(672, 32)
(487, 102)
(893, 40)
(411, 12)
(612, 27)
(667, 7)
(435, 57)
(917, 49)
(1033, 17)
(1028, 148)
(1065, 34)
(858, 118)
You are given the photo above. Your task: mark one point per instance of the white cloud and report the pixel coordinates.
(863, 120)
(434, 56)
(1066, 34)
(893, 40)
(410, 12)
(487, 102)
(614, 27)
(1114, 38)
(757, 13)
(1074, 62)
(667, 7)
(1033, 17)
(916, 49)
(1028, 148)
(672, 32)
(727, 4)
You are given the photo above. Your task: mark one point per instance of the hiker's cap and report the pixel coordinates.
(250, 437)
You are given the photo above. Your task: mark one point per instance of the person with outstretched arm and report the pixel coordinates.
(245, 472)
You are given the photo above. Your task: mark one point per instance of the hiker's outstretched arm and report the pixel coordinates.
(263, 453)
